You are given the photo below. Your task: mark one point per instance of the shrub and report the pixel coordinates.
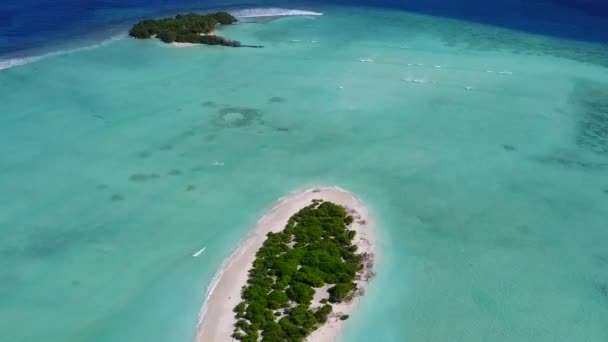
(272, 332)
(281, 283)
(348, 220)
(322, 313)
(167, 37)
(300, 292)
(224, 18)
(301, 316)
(311, 276)
(340, 292)
(256, 313)
(277, 299)
(292, 331)
(240, 310)
(139, 31)
(238, 336)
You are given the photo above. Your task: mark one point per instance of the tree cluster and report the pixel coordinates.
(313, 250)
(185, 28)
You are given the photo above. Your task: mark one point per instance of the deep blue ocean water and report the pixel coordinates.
(27, 25)
(30, 24)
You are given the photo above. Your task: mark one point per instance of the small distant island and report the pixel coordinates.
(298, 277)
(186, 28)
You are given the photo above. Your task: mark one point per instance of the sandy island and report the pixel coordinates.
(216, 322)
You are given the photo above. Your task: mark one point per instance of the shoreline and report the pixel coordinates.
(185, 45)
(216, 319)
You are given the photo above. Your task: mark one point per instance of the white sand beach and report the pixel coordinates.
(217, 318)
(184, 45)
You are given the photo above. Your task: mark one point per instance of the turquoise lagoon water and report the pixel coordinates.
(482, 152)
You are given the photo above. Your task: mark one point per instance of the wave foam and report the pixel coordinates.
(13, 62)
(271, 12)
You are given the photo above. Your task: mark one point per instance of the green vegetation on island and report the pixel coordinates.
(315, 249)
(186, 28)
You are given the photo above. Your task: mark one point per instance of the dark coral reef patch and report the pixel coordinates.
(232, 117)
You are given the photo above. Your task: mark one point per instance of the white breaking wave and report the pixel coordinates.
(13, 62)
(271, 12)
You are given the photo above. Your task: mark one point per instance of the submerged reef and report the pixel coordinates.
(186, 28)
(237, 117)
(174, 172)
(592, 100)
(116, 198)
(277, 99)
(604, 290)
(508, 148)
(572, 162)
(314, 250)
(141, 177)
(211, 104)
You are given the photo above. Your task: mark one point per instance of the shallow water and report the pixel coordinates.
(481, 151)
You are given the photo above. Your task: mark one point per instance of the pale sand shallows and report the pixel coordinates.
(217, 318)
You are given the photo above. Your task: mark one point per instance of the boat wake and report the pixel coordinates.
(13, 62)
(271, 12)
(199, 252)
(414, 80)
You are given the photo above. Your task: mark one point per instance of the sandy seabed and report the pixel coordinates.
(217, 319)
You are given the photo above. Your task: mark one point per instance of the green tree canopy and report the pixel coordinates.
(314, 249)
(185, 28)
